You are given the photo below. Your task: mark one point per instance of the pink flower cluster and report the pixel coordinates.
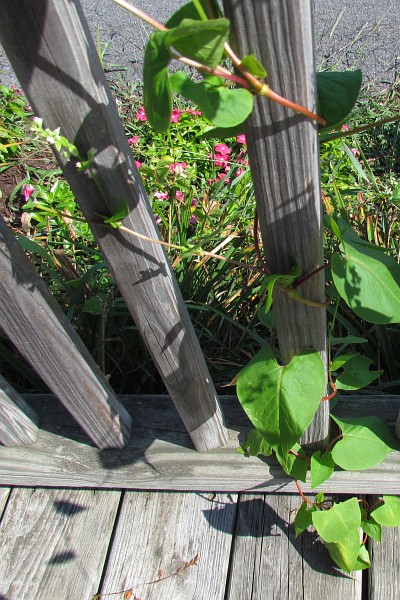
(176, 113)
(221, 159)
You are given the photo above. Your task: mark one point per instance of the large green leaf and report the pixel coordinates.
(157, 96)
(281, 401)
(337, 94)
(202, 41)
(388, 513)
(346, 553)
(339, 522)
(367, 279)
(366, 442)
(224, 107)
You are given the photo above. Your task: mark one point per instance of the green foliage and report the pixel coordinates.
(276, 398)
(365, 443)
(337, 95)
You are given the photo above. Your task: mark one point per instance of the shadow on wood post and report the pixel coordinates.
(284, 159)
(53, 55)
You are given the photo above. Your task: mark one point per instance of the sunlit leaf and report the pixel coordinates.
(189, 11)
(224, 107)
(253, 66)
(338, 522)
(366, 442)
(322, 466)
(281, 401)
(202, 41)
(157, 96)
(388, 513)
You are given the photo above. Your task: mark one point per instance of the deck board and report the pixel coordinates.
(163, 531)
(384, 577)
(69, 544)
(161, 456)
(53, 543)
(268, 562)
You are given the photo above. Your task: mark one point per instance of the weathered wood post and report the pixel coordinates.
(51, 50)
(284, 158)
(18, 422)
(37, 326)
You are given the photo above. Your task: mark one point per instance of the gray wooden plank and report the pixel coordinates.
(4, 494)
(268, 562)
(60, 72)
(163, 531)
(284, 159)
(161, 457)
(53, 543)
(18, 421)
(384, 574)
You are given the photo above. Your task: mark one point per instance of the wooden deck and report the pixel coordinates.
(75, 521)
(69, 544)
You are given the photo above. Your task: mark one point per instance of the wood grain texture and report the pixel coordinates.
(59, 70)
(384, 577)
(160, 455)
(268, 562)
(284, 159)
(163, 531)
(4, 494)
(53, 543)
(18, 422)
(37, 326)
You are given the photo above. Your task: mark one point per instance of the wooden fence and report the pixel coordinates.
(51, 50)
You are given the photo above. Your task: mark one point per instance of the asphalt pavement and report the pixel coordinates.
(349, 34)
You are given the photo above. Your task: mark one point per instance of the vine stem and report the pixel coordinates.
(302, 496)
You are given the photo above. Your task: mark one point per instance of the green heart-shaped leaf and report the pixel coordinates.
(281, 401)
(337, 93)
(388, 513)
(367, 279)
(322, 466)
(356, 374)
(224, 107)
(202, 41)
(366, 442)
(303, 518)
(339, 522)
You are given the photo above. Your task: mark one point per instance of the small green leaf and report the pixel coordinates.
(303, 518)
(363, 561)
(293, 463)
(366, 442)
(339, 522)
(322, 467)
(254, 445)
(367, 279)
(320, 497)
(253, 66)
(388, 513)
(345, 552)
(348, 339)
(356, 374)
(340, 361)
(224, 107)
(337, 93)
(202, 41)
(223, 133)
(372, 528)
(279, 400)
(157, 96)
(189, 11)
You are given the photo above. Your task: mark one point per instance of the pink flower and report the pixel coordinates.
(176, 113)
(138, 164)
(355, 151)
(134, 139)
(239, 172)
(179, 195)
(345, 128)
(157, 219)
(194, 112)
(161, 195)
(177, 168)
(241, 139)
(27, 191)
(141, 115)
(220, 160)
(222, 149)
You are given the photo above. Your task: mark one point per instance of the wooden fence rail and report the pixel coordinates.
(60, 72)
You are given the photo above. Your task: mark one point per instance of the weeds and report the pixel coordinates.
(201, 191)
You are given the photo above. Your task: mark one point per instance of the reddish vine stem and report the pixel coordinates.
(334, 392)
(302, 496)
(302, 280)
